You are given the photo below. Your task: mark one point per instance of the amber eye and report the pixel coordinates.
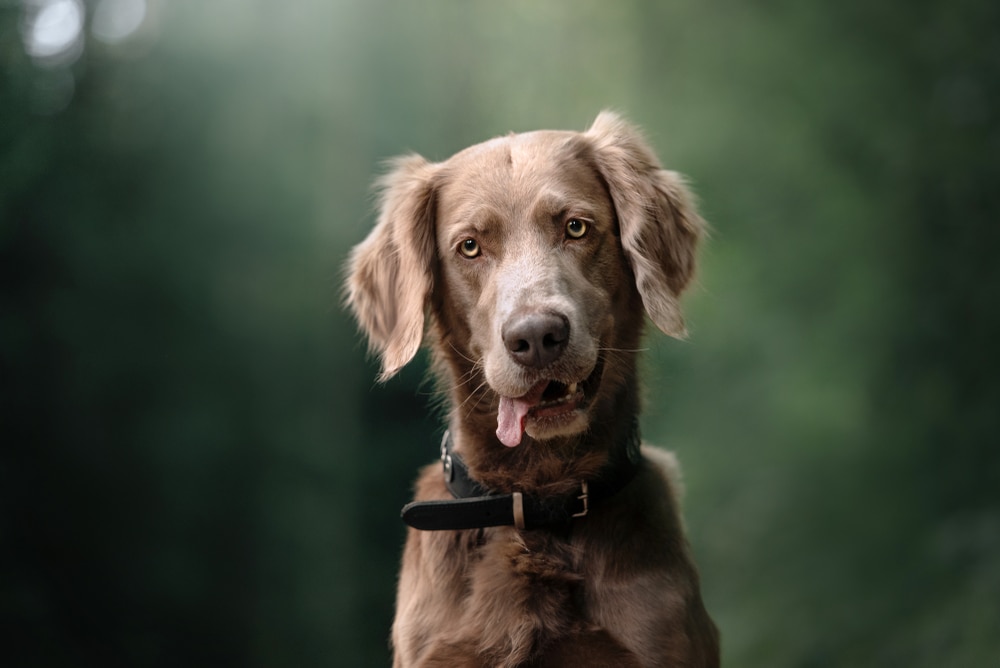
(576, 228)
(469, 248)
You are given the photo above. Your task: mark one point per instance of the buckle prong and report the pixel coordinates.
(584, 496)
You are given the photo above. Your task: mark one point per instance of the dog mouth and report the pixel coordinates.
(556, 393)
(549, 401)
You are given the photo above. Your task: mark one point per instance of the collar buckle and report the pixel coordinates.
(446, 460)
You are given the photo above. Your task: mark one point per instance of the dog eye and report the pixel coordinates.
(469, 248)
(576, 228)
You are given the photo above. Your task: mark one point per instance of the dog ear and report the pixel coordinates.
(390, 273)
(660, 226)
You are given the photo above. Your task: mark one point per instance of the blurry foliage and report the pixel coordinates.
(196, 466)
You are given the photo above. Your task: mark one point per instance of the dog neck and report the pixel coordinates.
(477, 507)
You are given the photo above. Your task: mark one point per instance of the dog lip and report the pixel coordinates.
(536, 393)
(569, 393)
(570, 401)
(579, 390)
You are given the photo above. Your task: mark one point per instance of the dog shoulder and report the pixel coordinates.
(666, 463)
(430, 485)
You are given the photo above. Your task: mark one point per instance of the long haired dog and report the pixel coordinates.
(547, 536)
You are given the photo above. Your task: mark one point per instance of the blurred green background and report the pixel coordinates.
(197, 467)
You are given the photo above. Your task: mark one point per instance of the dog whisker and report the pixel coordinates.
(468, 376)
(482, 395)
(462, 355)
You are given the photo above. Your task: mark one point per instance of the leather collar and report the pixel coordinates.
(475, 506)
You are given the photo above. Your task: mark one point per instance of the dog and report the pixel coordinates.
(548, 536)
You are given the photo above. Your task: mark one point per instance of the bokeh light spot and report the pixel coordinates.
(52, 28)
(115, 21)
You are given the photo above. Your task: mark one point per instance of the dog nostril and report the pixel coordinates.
(551, 340)
(536, 340)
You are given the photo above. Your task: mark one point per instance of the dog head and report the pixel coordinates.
(531, 253)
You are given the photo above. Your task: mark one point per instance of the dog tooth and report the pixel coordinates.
(571, 389)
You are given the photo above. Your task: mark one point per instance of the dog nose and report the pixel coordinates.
(537, 339)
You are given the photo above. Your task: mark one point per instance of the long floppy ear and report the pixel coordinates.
(660, 226)
(390, 273)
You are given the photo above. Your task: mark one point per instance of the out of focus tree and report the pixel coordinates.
(195, 464)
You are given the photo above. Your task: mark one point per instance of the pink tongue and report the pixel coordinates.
(510, 420)
(513, 413)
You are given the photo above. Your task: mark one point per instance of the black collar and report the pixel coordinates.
(476, 507)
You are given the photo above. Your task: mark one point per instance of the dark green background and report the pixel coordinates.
(196, 467)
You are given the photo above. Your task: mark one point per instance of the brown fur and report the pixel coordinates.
(619, 588)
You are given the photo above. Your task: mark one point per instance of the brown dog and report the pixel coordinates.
(549, 538)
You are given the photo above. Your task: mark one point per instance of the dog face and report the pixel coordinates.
(530, 251)
(526, 238)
